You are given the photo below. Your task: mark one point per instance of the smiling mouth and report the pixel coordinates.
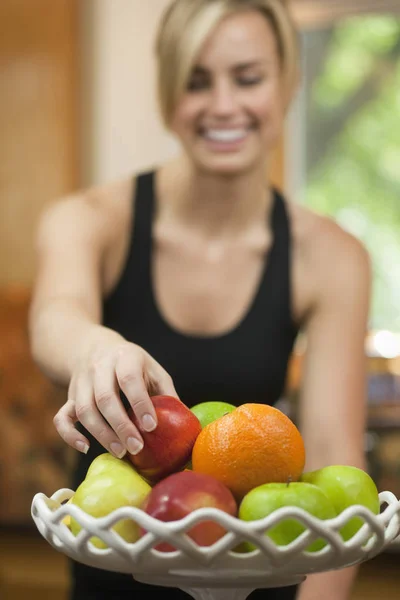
(225, 137)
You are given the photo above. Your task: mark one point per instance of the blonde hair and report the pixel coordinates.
(184, 28)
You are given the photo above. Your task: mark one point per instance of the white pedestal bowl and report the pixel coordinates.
(217, 572)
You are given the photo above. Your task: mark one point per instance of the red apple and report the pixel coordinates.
(178, 495)
(168, 448)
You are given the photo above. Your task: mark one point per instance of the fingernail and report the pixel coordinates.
(118, 450)
(82, 447)
(148, 423)
(134, 446)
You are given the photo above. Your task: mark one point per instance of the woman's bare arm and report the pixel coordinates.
(333, 399)
(65, 313)
(70, 344)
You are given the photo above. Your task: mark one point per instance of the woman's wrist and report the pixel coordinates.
(94, 338)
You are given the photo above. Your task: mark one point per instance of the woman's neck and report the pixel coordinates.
(216, 205)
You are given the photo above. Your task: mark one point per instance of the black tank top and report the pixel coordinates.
(247, 364)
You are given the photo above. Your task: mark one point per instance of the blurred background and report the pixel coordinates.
(77, 107)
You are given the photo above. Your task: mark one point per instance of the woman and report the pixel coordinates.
(193, 280)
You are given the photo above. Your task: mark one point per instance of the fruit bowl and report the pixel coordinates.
(219, 571)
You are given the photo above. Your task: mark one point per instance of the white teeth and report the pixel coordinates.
(225, 135)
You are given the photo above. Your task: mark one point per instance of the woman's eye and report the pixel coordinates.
(195, 85)
(249, 81)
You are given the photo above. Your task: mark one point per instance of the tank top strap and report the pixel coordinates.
(282, 235)
(275, 289)
(143, 214)
(138, 264)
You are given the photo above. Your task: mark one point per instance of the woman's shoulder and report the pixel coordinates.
(105, 200)
(92, 208)
(329, 263)
(319, 238)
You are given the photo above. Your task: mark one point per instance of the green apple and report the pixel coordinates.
(346, 486)
(110, 483)
(265, 499)
(207, 412)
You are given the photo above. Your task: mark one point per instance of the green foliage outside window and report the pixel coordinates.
(353, 143)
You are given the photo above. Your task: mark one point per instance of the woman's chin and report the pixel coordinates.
(226, 164)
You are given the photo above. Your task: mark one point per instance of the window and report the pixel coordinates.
(343, 140)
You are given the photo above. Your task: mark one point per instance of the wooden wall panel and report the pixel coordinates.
(33, 457)
(39, 161)
(38, 121)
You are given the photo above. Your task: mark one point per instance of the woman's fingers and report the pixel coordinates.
(163, 383)
(129, 371)
(88, 414)
(64, 421)
(94, 400)
(109, 403)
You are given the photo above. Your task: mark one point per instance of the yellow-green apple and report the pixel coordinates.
(346, 486)
(265, 499)
(105, 462)
(110, 483)
(167, 448)
(180, 494)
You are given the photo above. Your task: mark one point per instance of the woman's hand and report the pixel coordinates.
(94, 400)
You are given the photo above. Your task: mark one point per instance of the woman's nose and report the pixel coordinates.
(223, 100)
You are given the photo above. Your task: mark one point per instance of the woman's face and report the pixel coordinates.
(232, 112)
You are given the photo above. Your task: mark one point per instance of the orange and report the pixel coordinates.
(253, 445)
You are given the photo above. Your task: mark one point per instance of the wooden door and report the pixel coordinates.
(38, 121)
(38, 163)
